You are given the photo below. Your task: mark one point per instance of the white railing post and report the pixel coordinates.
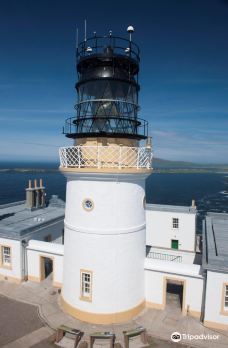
(65, 157)
(120, 157)
(98, 157)
(137, 165)
(79, 156)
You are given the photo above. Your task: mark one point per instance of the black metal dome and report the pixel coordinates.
(107, 90)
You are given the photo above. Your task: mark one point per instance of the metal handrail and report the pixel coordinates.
(72, 124)
(94, 43)
(107, 100)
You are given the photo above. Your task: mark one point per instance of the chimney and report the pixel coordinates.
(193, 203)
(35, 196)
(42, 194)
(30, 201)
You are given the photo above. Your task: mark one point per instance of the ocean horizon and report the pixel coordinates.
(209, 190)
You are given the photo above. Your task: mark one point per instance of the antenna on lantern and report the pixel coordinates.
(85, 30)
(130, 30)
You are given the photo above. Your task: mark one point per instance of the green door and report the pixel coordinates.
(174, 243)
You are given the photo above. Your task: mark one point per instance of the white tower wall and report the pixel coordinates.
(108, 241)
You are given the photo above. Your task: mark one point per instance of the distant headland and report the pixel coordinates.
(159, 166)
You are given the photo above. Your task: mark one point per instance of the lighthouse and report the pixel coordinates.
(106, 168)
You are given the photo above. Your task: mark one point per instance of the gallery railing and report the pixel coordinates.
(105, 157)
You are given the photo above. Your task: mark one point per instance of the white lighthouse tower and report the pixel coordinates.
(106, 168)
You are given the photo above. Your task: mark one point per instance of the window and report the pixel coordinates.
(175, 223)
(88, 204)
(224, 300)
(226, 297)
(86, 285)
(6, 256)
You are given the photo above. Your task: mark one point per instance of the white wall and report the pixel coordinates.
(16, 263)
(118, 204)
(186, 256)
(154, 283)
(108, 241)
(36, 250)
(159, 230)
(214, 300)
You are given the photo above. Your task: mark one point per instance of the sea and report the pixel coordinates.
(209, 190)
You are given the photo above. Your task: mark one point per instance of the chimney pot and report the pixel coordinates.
(193, 203)
(35, 183)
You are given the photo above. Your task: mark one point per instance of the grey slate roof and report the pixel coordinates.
(215, 242)
(171, 208)
(16, 220)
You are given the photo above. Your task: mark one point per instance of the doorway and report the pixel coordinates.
(174, 296)
(46, 267)
(174, 244)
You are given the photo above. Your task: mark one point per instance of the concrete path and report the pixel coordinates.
(30, 339)
(160, 324)
(17, 320)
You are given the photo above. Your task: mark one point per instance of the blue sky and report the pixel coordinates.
(183, 77)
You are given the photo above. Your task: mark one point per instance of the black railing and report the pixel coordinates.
(103, 126)
(119, 45)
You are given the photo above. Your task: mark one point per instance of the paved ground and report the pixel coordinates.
(44, 344)
(155, 344)
(160, 324)
(17, 320)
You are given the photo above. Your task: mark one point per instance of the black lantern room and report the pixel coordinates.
(107, 90)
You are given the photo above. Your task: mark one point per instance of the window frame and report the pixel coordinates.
(224, 309)
(226, 296)
(176, 223)
(84, 283)
(4, 264)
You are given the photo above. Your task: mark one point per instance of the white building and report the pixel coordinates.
(203, 286)
(215, 265)
(171, 257)
(175, 227)
(18, 225)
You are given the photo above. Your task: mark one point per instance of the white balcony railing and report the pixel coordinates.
(164, 257)
(105, 157)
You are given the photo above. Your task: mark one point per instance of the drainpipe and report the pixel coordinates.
(24, 244)
(204, 255)
(203, 297)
